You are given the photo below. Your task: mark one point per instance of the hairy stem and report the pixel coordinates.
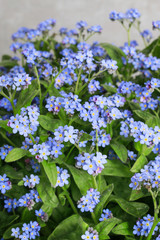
(7, 139)
(94, 218)
(94, 182)
(156, 211)
(39, 86)
(70, 200)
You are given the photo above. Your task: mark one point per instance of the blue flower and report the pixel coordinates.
(15, 232)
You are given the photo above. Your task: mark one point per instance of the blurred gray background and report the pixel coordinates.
(17, 13)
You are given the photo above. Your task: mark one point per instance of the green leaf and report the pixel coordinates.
(135, 209)
(139, 164)
(137, 194)
(114, 52)
(153, 121)
(16, 191)
(150, 47)
(121, 186)
(82, 179)
(6, 57)
(123, 229)
(16, 154)
(8, 63)
(143, 148)
(69, 229)
(133, 105)
(48, 123)
(47, 209)
(106, 226)
(3, 124)
(143, 114)
(8, 232)
(20, 183)
(63, 116)
(6, 219)
(47, 193)
(51, 172)
(26, 96)
(85, 137)
(116, 168)
(109, 88)
(11, 172)
(130, 238)
(120, 150)
(54, 92)
(104, 197)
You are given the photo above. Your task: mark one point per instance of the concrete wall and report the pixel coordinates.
(28, 13)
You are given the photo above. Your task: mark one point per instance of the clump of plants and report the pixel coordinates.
(80, 135)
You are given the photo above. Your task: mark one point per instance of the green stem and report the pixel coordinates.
(39, 85)
(7, 139)
(156, 211)
(89, 37)
(118, 74)
(70, 200)
(69, 153)
(99, 182)
(13, 107)
(94, 182)
(97, 149)
(93, 77)
(78, 78)
(157, 115)
(32, 138)
(72, 120)
(128, 35)
(51, 84)
(77, 147)
(152, 229)
(94, 218)
(141, 237)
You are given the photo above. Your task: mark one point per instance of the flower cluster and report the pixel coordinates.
(146, 34)
(32, 181)
(51, 148)
(28, 231)
(27, 122)
(87, 203)
(143, 95)
(35, 166)
(4, 151)
(90, 234)
(15, 79)
(105, 215)
(91, 163)
(140, 61)
(110, 65)
(144, 225)
(140, 132)
(103, 139)
(69, 102)
(131, 15)
(28, 200)
(62, 177)
(149, 176)
(9, 204)
(5, 184)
